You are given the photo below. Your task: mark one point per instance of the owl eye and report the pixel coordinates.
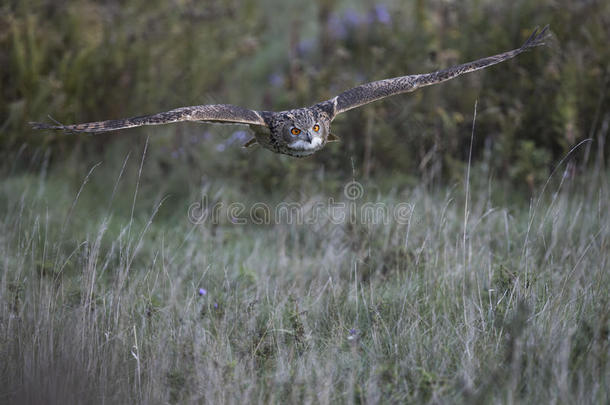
(316, 128)
(295, 131)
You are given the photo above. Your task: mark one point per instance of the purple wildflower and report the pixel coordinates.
(304, 47)
(352, 18)
(237, 136)
(276, 79)
(202, 292)
(353, 335)
(336, 27)
(382, 14)
(216, 305)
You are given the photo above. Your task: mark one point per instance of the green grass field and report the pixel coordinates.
(490, 297)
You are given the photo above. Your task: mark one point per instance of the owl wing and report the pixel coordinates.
(369, 92)
(219, 113)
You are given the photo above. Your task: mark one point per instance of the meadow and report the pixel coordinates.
(472, 295)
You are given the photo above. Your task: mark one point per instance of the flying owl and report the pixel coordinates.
(302, 131)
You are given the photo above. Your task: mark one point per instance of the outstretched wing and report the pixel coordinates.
(220, 113)
(374, 91)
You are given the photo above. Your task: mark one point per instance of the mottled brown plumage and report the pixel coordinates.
(303, 131)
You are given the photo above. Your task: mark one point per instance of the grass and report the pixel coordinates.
(500, 299)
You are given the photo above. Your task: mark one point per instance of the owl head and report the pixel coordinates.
(303, 131)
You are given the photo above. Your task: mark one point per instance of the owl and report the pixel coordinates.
(302, 131)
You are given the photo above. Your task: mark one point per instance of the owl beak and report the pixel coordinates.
(309, 137)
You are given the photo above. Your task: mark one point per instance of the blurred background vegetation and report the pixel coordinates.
(88, 60)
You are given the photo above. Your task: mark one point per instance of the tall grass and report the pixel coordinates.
(473, 300)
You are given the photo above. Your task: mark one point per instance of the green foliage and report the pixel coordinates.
(530, 163)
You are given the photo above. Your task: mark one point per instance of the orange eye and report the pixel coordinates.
(295, 131)
(316, 128)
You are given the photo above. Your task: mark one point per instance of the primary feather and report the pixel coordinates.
(369, 92)
(222, 113)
